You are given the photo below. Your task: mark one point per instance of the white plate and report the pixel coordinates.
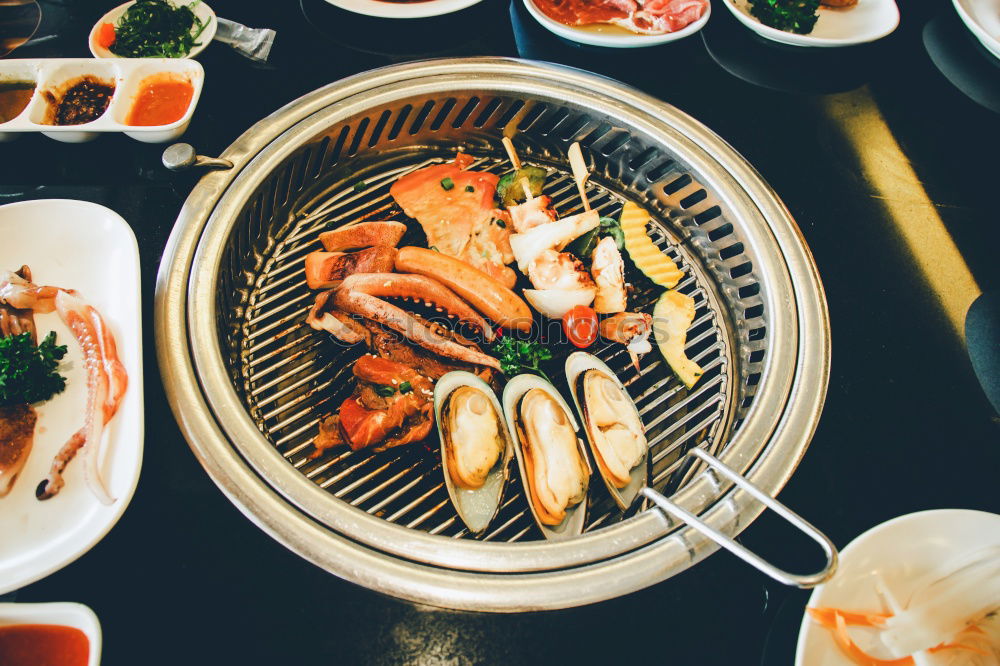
(866, 21)
(201, 10)
(593, 35)
(65, 613)
(83, 246)
(900, 550)
(403, 10)
(982, 18)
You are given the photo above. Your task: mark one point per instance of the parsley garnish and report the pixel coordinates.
(447, 183)
(798, 16)
(521, 355)
(28, 373)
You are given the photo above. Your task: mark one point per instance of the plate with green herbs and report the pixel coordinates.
(88, 248)
(815, 23)
(154, 29)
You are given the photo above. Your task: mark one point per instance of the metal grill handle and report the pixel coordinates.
(803, 581)
(180, 156)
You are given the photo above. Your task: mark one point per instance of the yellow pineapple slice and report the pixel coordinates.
(657, 266)
(672, 316)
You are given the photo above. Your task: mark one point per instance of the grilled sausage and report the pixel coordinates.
(497, 302)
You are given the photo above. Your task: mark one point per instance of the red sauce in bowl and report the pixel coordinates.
(43, 645)
(162, 99)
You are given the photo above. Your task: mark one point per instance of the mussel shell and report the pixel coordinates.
(576, 515)
(476, 508)
(577, 366)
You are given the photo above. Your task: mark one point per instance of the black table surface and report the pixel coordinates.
(891, 174)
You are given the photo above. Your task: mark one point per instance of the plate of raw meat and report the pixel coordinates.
(621, 23)
(71, 419)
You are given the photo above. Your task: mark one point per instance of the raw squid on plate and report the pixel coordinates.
(107, 379)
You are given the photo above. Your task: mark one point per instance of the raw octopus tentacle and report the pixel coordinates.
(106, 384)
(53, 483)
(399, 320)
(22, 294)
(417, 288)
(113, 366)
(14, 321)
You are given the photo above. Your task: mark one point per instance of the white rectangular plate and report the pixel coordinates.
(82, 246)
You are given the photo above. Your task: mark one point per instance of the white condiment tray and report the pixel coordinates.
(126, 73)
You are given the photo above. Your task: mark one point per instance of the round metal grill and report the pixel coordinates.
(249, 381)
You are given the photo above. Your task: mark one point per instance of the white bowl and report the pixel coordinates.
(900, 551)
(84, 246)
(65, 613)
(613, 38)
(866, 21)
(982, 18)
(201, 10)
(403, 10)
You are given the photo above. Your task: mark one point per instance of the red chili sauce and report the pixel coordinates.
(43, 645)
(162, 99)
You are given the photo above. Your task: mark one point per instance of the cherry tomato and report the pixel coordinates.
(580, 325)
(106, 35)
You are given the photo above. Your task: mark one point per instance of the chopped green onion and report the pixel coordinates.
(447, 183)
(470, 188)
(385, 391)
(405, 387)
(360, 185)
(500, 223)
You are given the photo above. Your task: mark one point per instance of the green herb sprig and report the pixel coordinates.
(518, 356)
(157, 29)
(28, 373)
(798, 16)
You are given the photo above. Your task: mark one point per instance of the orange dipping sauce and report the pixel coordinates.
(43, 645)
(162, 99)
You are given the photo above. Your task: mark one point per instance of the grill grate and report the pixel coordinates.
(291, 376)
(248, 381)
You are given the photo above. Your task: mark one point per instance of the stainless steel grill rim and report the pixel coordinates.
(807, 354)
